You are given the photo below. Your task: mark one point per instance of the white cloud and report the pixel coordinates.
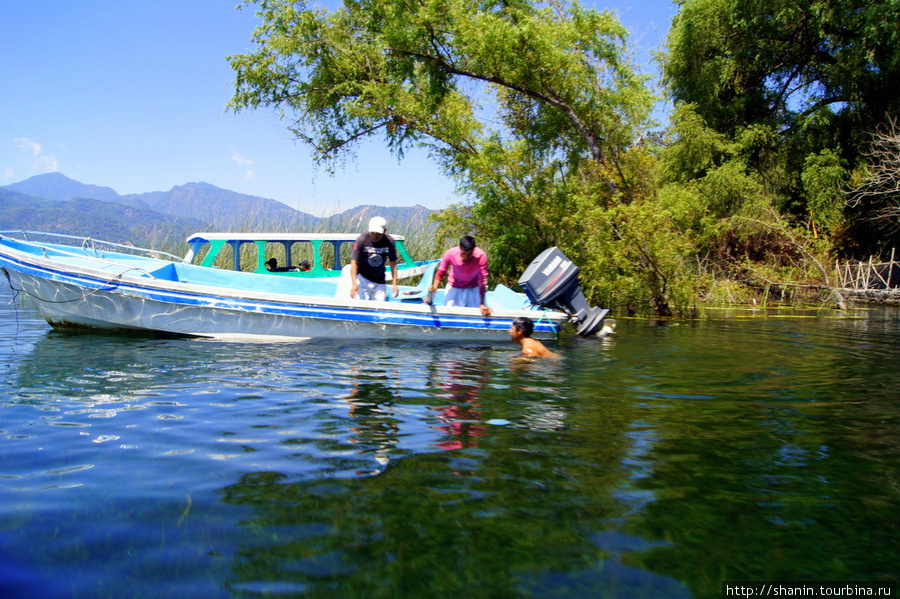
(42, 163)
(238, 159)
(8, 172)
(46, 164)
(26, 145)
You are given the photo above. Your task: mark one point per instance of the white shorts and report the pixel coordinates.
(469, 297)
(369, 290)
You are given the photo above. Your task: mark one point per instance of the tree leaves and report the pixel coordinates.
(534, 109)
(420, 72)
(790, 89)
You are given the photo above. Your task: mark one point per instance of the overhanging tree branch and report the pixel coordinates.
(546, 98)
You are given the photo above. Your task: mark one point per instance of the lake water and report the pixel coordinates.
(655, 464)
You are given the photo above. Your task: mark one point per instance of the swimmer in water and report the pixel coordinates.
(520, 331)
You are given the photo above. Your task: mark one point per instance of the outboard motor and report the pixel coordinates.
(551, 281)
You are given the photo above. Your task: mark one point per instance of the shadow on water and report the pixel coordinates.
(657, 463)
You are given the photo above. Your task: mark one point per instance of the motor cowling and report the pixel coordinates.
(551, 281)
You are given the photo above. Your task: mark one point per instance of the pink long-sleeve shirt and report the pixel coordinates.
(464, 275)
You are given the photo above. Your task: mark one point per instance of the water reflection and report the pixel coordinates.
(460, 382)
(488, 522)
(375, 426)
(502, 512)
(655, 464)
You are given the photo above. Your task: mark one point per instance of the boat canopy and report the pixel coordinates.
(234, 241)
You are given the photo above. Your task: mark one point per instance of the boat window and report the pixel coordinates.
(346, 248)
(327, 252)
(201, 254)
(219, 255)
(249, 256)
(300, 251)
(276, 250)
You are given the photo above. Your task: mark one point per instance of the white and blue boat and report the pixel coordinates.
(87, 284)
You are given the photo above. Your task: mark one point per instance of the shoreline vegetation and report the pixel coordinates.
(805, 281)
(780, 160)
(835, 285)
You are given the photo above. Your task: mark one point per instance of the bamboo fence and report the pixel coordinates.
(868, 275)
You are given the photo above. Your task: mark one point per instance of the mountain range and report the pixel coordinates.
(55, 203)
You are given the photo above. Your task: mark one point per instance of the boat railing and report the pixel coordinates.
(88, 244)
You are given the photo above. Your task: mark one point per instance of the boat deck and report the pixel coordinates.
(501, 297)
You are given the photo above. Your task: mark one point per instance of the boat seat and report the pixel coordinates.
(418, 293)
(506, 299)
(412, 294)
(344, 283)
(166, 273)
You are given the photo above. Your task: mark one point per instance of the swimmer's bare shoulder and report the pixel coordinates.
(534, 348)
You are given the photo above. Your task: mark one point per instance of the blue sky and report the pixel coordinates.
(131, 95)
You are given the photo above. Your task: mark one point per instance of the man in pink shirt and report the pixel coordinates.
(468, 277)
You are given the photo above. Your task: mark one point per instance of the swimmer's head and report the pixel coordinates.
(523, 324)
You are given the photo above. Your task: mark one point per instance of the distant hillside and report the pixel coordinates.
(226, 210)
(93, 218)
(54, 202)
(401, 220)
(60, 188)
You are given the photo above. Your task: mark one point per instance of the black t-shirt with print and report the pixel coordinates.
(373, 257)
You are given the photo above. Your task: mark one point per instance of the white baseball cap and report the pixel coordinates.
(377, 224)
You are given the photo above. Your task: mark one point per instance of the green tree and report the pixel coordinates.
(417, 72)
(533, 108)
(798, 86)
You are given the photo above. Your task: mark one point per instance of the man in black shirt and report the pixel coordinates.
(371, 251)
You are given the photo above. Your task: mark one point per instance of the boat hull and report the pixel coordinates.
(112, 296)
